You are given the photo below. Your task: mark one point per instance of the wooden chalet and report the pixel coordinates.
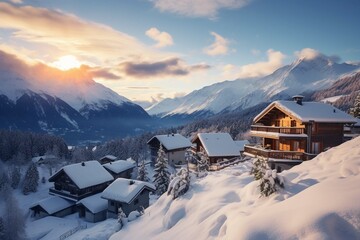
(296, 131)
(92, 209)
(130, 195)
(174, 145)
(80, 180)
(219, 147)
(120, 168)
(52, 206)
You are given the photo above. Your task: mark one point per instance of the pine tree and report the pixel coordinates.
(15, 177)
(4, 180)
(121, 218)
(259, 168)
(14, 220)
(31, 180)
(179, 184)
(142, 172)
(270, 183)
(355, 111)
(2, 228)
(161, 176)
(202, 164)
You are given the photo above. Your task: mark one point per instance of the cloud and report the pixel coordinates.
(219, 47)
(16, 1)
(168, 67)
(198, 8)
(309, 53)
(98, 72)
(163, 39)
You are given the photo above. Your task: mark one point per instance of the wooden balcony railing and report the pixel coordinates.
(285, 130)
(276, 154)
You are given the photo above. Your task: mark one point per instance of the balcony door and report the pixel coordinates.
(316, 147)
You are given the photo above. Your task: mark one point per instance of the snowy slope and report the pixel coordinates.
(304, 74)
(320, 201)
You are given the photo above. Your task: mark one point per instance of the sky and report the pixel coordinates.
(147, 50)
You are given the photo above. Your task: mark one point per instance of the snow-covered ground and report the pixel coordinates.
(320, 201)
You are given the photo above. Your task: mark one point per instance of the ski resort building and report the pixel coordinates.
(174, 145)
(296, 131)
(129, 195)
(80, 180)
(219, 147)
(120, 168)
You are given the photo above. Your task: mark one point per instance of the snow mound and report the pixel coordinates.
(320, 201)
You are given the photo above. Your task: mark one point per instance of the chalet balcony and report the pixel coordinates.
(283, 130)
(277, 154)
(68, 195)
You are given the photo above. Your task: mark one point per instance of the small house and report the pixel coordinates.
(296, 131)
(219, 147)
(80, 180)
(241, 145)
(45, 159)
(107, 159)
(174, 145)
(92, 209)
(120, 168)
(52, 206)
(129, 195)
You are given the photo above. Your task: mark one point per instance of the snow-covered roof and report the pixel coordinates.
(241, 144)
(307, 111)
(53, 204)
(111, 157)
(94, 203)
(85, 174)
(218, 144)
(125, 190)
(45, 157)
(172, 141)
(119, 166)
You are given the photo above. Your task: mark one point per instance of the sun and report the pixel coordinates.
(66, 62)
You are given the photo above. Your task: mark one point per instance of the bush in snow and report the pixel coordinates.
(161, 176)
(142, 173)
(270, 183)
(122, 220)
(15, 177)
(133, 215)
(202, 164)
(259, 168)
(179, 184)
(31, 179)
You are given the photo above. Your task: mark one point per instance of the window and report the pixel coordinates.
(136, 201)
(293, 123)
(111, 203)
(315, 147)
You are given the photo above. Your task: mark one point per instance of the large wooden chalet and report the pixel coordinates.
(295, 131)
(174, 145)
(80, 180)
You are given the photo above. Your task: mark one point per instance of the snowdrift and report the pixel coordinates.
(320, 201)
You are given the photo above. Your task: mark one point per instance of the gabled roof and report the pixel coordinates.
(119, 166)
(94, 203)
(85, 174)
(111, 157)
(307, 111)
(218, 144)
(125, 190)
(53, 204)
(172, 141)
(241, 144)
(45, 157)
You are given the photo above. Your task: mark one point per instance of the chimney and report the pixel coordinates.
(298, 99)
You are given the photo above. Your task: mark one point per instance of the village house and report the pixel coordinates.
(80, 180)
(120, 168)
(130, 195)
(220, 148)
(45, 159)
(241, 145)
(52, 206)
(92, 209)
(107, 159)
(296, 131)
(174, 145)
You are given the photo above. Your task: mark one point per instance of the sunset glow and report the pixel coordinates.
(66, 62)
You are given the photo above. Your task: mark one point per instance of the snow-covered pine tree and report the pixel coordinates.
(142, 172)
(14, 221)
(31, 179)
(4, 180)
(270, 183)
(179, 184)
(259, 168)
(2, 228)
(121, 217)
(202, 164)
(15, 177)
(161, 176)
(355, 111)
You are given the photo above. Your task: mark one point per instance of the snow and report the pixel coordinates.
(111, 157)
(241, 144)
(53, 204)
(172, 141)
(316, 111)
(218, 144)
(277, 135)
(320, 201)
(119, 166)
(91, 174)
(94, 203)
(332, 99)
(124, 190)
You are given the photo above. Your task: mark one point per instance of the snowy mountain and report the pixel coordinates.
(319, 201)
(41, 98)
(303, 75)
